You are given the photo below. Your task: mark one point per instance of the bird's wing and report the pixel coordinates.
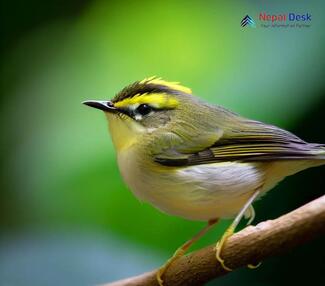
(255, 142)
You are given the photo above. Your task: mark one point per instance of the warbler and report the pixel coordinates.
(195, 160)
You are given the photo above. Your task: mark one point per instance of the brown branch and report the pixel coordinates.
(251, 245)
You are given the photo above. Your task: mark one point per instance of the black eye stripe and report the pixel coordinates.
(143, 109)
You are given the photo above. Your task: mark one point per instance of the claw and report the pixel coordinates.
(249, 210)
(252, 266)
(218, 249)
(178, 253)
(158, 277)
(219, 246)
(182, 250)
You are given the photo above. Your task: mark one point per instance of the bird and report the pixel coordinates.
(195, 160)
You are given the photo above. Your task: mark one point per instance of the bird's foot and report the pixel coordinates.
(220, 244)
(178, 253)
(182, 250)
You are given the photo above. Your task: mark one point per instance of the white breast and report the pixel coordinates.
(219, 189)
(200, 192)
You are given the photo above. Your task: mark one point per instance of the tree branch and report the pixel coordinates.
(251, 245)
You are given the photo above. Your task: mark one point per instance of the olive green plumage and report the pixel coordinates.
(179, 152)
(212, 133)
(195, 160)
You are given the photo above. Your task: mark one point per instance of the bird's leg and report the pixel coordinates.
(182, 249)
(250, 217)
(231, 229)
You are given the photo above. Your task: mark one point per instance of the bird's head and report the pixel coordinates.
(142, 107)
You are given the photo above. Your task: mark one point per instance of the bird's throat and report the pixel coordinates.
(124, 131)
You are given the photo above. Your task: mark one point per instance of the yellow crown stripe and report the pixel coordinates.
(157, 100)
(171, 85)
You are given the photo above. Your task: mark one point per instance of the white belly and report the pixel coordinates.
(199, 192)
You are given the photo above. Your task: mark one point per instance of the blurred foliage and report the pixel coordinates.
(58, 168)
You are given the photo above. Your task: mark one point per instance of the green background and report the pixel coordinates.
(66, 216)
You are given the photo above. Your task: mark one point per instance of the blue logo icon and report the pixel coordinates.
(247, 21)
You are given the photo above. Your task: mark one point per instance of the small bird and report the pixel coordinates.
(195, 160)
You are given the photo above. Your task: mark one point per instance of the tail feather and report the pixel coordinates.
(318, 151)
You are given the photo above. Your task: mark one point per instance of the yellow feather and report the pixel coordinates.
(157, 100)
(172, 85)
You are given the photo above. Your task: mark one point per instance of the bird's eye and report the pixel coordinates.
(144, 109)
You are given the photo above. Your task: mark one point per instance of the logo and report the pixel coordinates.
(247, 21)
(284, 17)
(281, 20)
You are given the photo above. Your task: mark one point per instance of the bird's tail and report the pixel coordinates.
(318, 154)
(318, 150)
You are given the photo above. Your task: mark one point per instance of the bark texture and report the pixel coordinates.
(248, 246)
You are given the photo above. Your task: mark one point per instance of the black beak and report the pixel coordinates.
(102, 105)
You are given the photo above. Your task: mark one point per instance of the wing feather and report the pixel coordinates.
(261, 142)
